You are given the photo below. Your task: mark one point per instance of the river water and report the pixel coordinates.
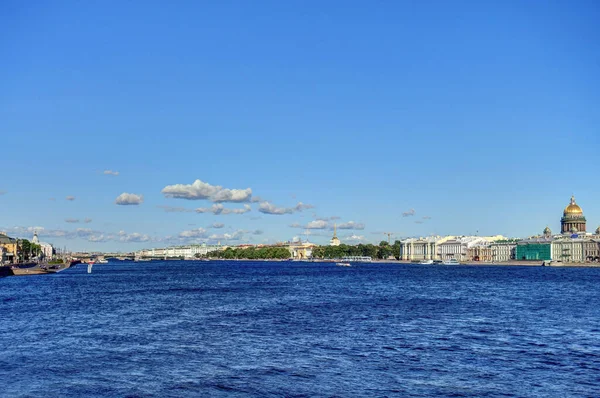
(267, 329)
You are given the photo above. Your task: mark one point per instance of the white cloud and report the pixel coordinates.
(72, 220)
(257, 232)
(126, 199)
(237, 235)
(71, 198)
(409, 213)
(218, 209)
(171, 209)
(87, 234)
(317, 224)
(217, 225)
(193, 233)
(354, 238)
(426, 217)
(87, 220)
(133, 237)
(270, 208)
(110, 172)
(199, 190)
(351, 225)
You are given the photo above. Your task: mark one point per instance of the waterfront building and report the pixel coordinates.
(536, 248)
(47, 251)
(504, 250)
(189, 251)
(573, 220)
(591, 250)
(10, 247)
(301, 250)
(458, 248)
(334, 241)
(418, 249)
(480, 251)
(568, 250)
(2, 255)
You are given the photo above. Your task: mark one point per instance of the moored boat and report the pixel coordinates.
(451, 261)
(343, 264)
(426, 262)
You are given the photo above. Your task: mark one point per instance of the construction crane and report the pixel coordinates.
(389, 235)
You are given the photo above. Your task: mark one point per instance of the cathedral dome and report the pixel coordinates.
(573, 208)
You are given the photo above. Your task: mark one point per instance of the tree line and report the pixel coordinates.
(251, 253)
(382, 251)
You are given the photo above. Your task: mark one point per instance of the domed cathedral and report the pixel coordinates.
(572, 220)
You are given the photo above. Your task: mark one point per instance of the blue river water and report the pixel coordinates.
(283, 329)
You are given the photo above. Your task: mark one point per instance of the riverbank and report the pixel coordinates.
(12, 270)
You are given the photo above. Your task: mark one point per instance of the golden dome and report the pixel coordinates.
(573, 209)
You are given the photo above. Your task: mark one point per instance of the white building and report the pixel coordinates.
(503, 251)
(568, 250)
(189, 251)
(458, 248)
(418, 249)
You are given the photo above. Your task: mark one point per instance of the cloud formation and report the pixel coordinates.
(70, 198)
(219, 209)
(200, 190)
(269, 208)
(354, 238)
(317, 224)
(426, 218)
(111, 173)
(129, 199)
(217, 225)
(171, 209)
(194, 233)
(133, 237)
(87, 234)
(409, 213)
(76, 220)
(351, 225)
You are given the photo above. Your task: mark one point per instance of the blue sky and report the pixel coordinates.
(481, 117)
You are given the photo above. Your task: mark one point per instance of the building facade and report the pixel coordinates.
(10, 247)
(539, 248)
(419, 249)
(503, 251)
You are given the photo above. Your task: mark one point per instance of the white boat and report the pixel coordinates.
(102, 261)
(343, 264)
(451, 261)
(427, 262)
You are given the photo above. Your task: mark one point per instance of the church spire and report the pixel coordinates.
(334, 230)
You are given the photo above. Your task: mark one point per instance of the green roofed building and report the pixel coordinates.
(534, 249)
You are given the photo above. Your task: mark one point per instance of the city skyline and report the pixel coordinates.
(179, 124)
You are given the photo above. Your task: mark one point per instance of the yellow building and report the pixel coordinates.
(10, 247)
